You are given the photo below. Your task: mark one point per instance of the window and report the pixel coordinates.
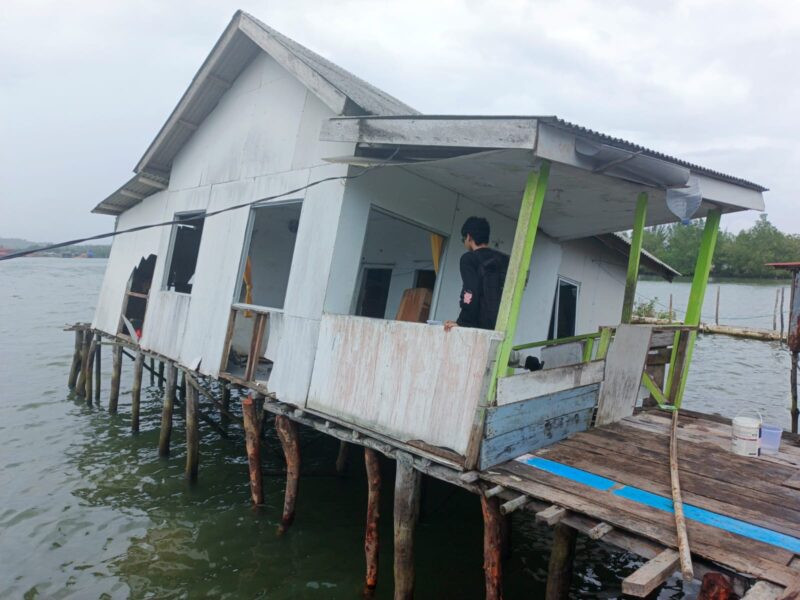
(565, 309)
(183, 251)
(374, 294)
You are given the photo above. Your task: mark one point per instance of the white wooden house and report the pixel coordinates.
(304, 285)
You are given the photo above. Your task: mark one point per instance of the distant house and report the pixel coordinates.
(297, 293)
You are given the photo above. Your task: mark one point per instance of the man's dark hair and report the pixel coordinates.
(477, 228)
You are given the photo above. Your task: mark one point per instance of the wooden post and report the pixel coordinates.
(670, 308)
(116, 368)
(781, 311)
(406, 510)
(775, 310)
(161, 374)
(182, 387)
(677, 503)
(341, 458)
(97, 368)
(252, 441)
(287, 433)
(371, 539)
(152, 371)
(136, 391)
(716, 312)
(192, 433)
(89, 368)
(562, 555)
(80, 386)
(166, 411)
(793, 383)
(492, 547)
(634, 257)
(76, 359)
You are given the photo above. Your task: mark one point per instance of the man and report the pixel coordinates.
(483, 272)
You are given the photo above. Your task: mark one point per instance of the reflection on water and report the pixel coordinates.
(89, 510)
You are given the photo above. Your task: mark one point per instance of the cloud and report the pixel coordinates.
(85, 85)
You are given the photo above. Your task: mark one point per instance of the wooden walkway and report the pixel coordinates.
(743, 514)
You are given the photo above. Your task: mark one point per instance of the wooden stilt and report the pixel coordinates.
(287, 433)
(793, 383)
(252, 438)
(371, 539)
(225, 404)
(152, 372)
(136, 391)
(80, 386)
(161, 374)
(76, 359)
(341, 458)
(559, 570)
(406, 509)
(492, 547)
(505, 537)
(166, 411)
(116, 368)
(88, 368)
(192, 434)
(97, 368)
(182, 387)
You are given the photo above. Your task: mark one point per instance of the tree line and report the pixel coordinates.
(741, 254)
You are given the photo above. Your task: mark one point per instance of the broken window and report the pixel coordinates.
(399, 266)
(184, 249)
(134, 305)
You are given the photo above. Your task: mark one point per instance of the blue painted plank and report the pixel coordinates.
(694, 513)
(527, 439)
(502, 419)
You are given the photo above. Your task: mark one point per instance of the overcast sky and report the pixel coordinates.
(86, 85)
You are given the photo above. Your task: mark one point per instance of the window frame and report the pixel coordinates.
(171, 248)
(557, 297)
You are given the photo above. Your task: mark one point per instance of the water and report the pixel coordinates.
(88, 510)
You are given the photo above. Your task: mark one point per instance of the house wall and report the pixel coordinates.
(260, 140)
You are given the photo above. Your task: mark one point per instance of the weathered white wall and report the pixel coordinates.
(260, 140)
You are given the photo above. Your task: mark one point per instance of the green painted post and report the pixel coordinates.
(696, 296)
(518, 264)
(633, 259)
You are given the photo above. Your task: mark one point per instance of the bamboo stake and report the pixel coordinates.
(716, 312)
(76, 359)
(136, 391)
(371, 539)
(80, 386)
(562, 556)
(89, 368)
(97, 368)
(492, 547)
(677, 503)
(192, 434)
(116, 368)
(252, 439)
(166, 411)
(781, 311)
(775, 310)
(287, 433)
(406, 510)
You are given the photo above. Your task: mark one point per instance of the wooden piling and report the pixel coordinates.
(76, 359)
(116, 368)
(192, 434)
(781, 310)
(492, 547)
(775, 310)
(182, 387)
(371, 539)
(406, 510)
(152, 372)
(80, 386)
(166, 411)
(559, 569)
(225, 404)
(341, 458)
(161, 374)
(89, 368)
(670, 309)
(287, 433)
(136, 391)
(716, 312)
(252, 440)
(98, 353)
(793, 383)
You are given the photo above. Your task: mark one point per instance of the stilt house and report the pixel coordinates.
(314, 232)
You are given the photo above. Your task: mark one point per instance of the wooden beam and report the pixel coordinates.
(491, 492)
(116, 368)
(252, 439)
(136, 391)
(551, 515)
(372, 536)
(599, 531)
(651, 575)
(192, 434)
(514, 504)
(406, 510)
(492, 547)
(763, 590)
(287, 433)
(634, 258)
(562, 557)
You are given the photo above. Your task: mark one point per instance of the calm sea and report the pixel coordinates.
(88, 510)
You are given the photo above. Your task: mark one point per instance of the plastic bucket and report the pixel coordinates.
(745, 435)
(770, 439)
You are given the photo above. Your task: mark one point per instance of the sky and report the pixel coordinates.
(85, 86)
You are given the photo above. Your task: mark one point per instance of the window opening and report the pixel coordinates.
(399, 262)
(565, 310)
(186, 235)
(137, 291)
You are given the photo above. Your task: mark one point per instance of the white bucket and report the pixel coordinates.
(745, 435)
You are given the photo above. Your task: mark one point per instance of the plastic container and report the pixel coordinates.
(745, 436)
(770, 439)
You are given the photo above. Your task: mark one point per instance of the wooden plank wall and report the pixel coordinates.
(625, 365)
(549, 381)
(409, 381)
(527, 425)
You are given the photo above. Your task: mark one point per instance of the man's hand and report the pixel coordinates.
(448, 325)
